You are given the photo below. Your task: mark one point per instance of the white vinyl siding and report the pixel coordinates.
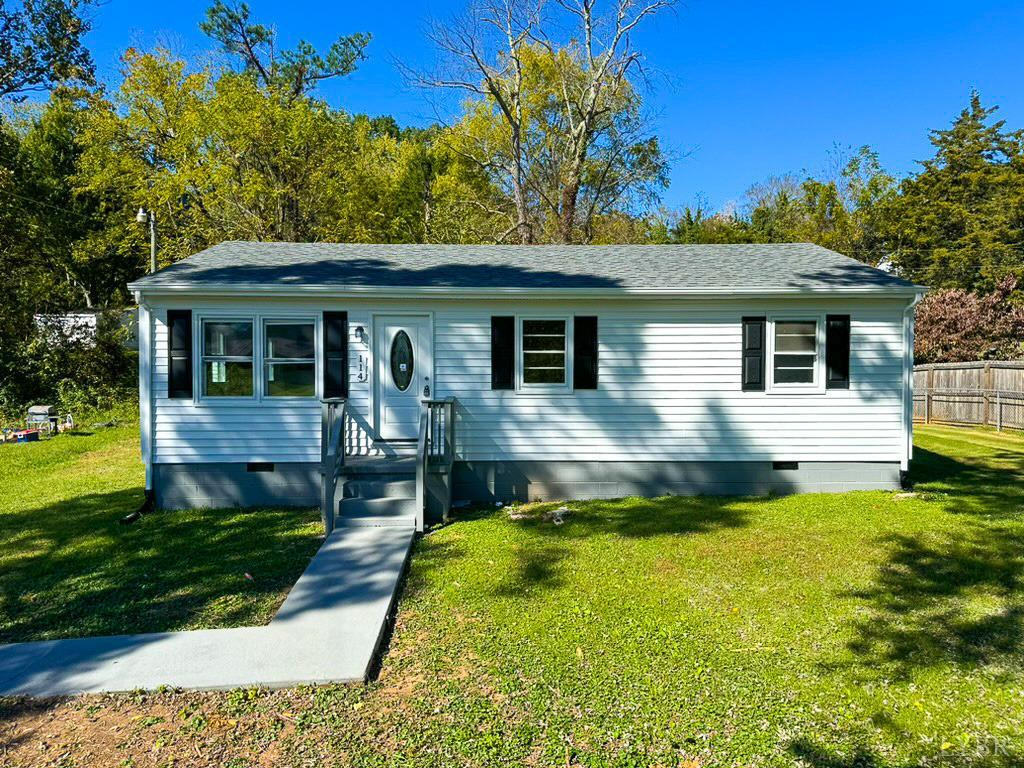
(232, 430)
(669, 391)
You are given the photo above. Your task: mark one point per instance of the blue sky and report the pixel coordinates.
(738, 91)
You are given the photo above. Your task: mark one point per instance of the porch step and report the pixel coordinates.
(397, 511)
(380, 465)
(378, 491)
(380, 487)
(398, 448)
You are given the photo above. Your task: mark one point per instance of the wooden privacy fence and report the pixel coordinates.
(986, 392)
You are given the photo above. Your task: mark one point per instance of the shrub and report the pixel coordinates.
(955, 326)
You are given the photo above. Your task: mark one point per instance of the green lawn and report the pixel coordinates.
(68, 568)
(858, 630)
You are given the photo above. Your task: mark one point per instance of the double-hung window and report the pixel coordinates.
(227, 358)
(258, 358)
(795, 353)
(544, 352)
(289, 358)
(553, 354)
(807, 353)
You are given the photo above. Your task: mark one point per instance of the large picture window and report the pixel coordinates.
(795, 352)
(227, 358)
(544, 352)
(289, 358)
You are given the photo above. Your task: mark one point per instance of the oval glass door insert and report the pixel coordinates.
(401, 361)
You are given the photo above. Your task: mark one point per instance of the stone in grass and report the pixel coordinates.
(515, 513)
(556, 516)
(905, 495)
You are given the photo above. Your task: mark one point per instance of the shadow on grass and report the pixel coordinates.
(430, 554)
(538, 560)
(953, 595)
(986, 754)
(639, 517)
(990, 485)
(956, 597)
(70, 569)
(536, 567)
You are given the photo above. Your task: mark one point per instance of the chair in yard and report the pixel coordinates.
(42, 417)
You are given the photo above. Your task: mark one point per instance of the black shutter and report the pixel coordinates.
(584, 350)
(753, 354)
(837, 352)
(335, 332)
(503, 352)
(179, 353)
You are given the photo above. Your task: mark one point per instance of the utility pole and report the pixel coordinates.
(148, 217)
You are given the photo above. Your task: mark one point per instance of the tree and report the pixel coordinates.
(556, 126)
(698, 224)
(293, 73)
(218, 157)
(843, 211)
(54, 257)
(959, 222)
(51, 254)
(41, 45)
(775, 210)
(955, 326)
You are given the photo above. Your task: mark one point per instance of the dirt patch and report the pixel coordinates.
(172, 728)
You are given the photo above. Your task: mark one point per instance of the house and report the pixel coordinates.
(82, 327)
(415, 375)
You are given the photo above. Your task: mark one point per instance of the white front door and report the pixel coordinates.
(404, 368)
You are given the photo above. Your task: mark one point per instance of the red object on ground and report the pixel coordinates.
(27, 435)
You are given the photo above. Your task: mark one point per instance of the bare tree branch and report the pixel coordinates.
(566, 146)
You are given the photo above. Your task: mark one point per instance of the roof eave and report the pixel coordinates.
(451, 292)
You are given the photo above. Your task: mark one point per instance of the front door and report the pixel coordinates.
(404, 367)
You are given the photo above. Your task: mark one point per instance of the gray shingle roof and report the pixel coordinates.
(700, 268)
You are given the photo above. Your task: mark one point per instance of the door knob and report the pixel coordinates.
(426, 386)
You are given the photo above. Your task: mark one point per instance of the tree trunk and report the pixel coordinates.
(519, 191)
(567, 211)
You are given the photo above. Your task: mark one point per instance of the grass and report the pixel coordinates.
(68, 568)
(858, 630)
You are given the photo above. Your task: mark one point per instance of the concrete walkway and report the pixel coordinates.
(327, 630)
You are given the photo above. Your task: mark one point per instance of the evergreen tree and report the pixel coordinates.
(959, 223)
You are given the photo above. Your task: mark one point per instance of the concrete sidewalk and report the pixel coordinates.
(327, 630)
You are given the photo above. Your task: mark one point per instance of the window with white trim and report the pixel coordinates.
(795, 352)
(227, 354)
(544, 352)
(289, 358)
